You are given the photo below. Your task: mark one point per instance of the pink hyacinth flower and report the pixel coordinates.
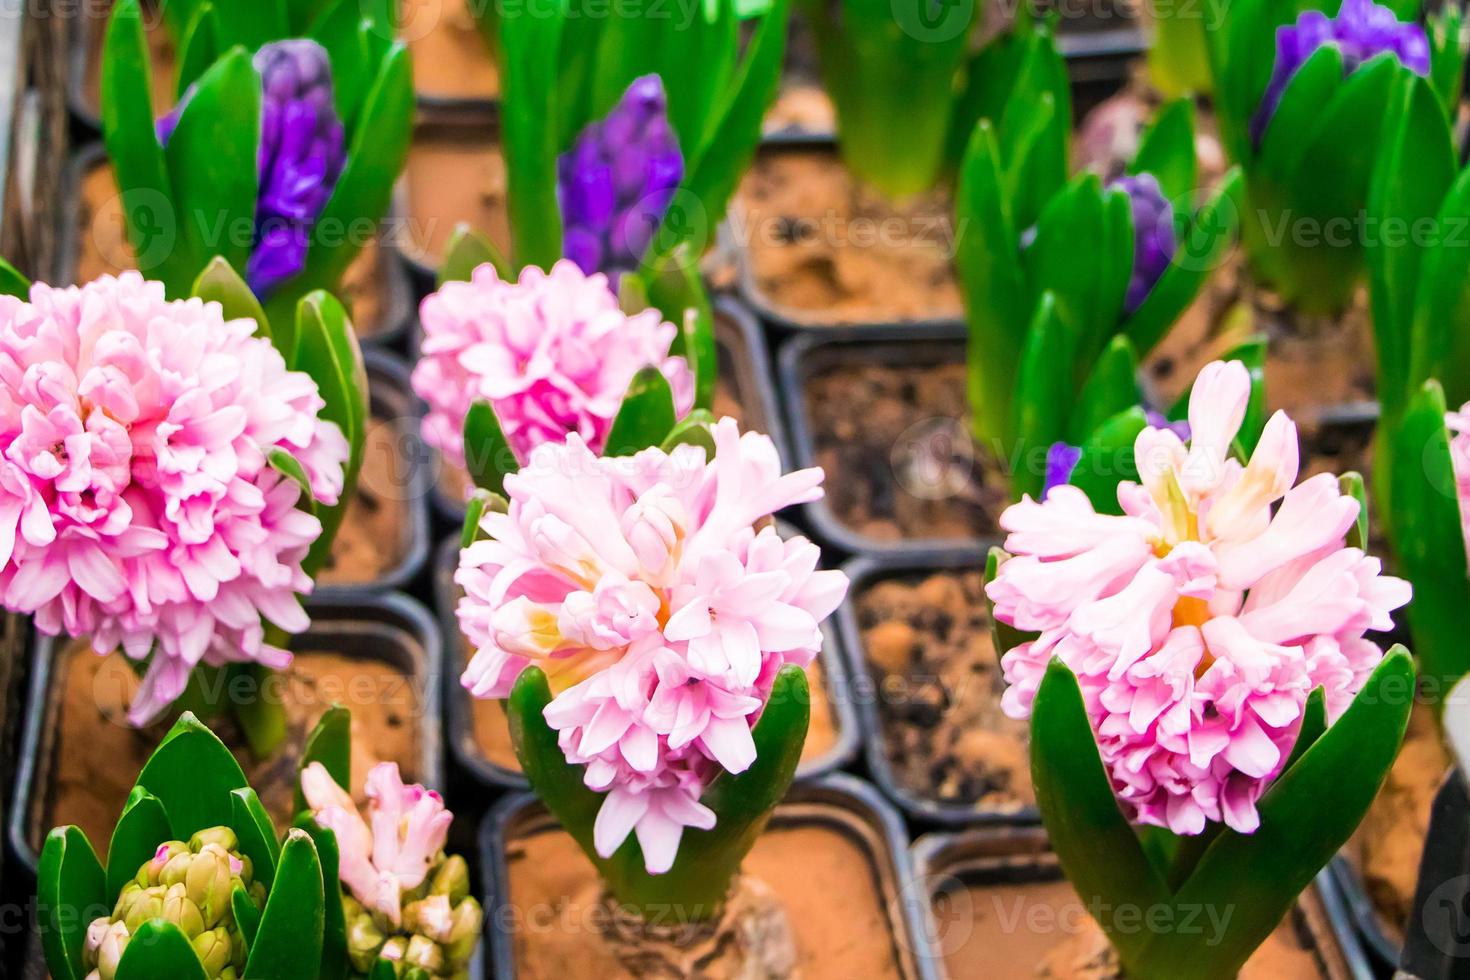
(552, 353)
(137, 503)
(1199, 622)
(657, 610)
(390, 853)
(1459, 426)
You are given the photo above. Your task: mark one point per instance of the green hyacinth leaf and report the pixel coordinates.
(71, 891)
(1305, 818)
(1112, 387)
(1167, 152)
(1351, 485)
(1079, 213)
(383, 970)
(220, 283)
(335, 963)
(12, 283)
(487, 453)
(290, 467)
(199, 50)
(1093, 841)
(1428, 539)
(476, 507)
(141, 828)
(467, 250)
(1440, 346)
(529, 42)
(247, 916)
(288, 945)
(256, 833)
(1107, 459)
(1043, 394)
(192, 774)
(646, 417)
(1314, 723)
(159, 949)
(329, 743)
(696, 429)
(676, 289)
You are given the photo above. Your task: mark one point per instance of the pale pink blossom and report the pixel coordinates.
(552, 353)
(137, 505)
(658, 611)
(390, 853)
(1199, 622)
(1459, 426)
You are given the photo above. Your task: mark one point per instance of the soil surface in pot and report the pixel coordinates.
(103, 249)
(825, 879)
(1311, 363)
(824, 249)
(373, 537)
(450, 56)
(97, 755)
(897, 440)
(927, 644)
(492, 729)
(1039, 929)
(1390, 841)
(455, 174)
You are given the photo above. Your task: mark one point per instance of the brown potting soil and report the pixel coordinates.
(371, 539)
(824, 249)
(492, 732)
(927, 644)
(1040, 930)
(103, 249)
(450, 57)
(896, 440)
(97, 755)
(1390, 841)
(455, 174)
(825, 879)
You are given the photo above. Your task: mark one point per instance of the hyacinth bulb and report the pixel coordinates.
(616, 182)
(1361, 30)
(189, 884)
(301, 156)
(1154, 242)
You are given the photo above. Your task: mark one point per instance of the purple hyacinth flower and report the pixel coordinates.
(301, 156)
(1153, 236)
(1159, 420)
(1061, 460)
(1361, 30)
(617, 181)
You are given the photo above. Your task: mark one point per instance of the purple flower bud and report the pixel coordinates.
(1158, 420)
(1360, 30)
(616, 182)
(1061, 460)
(1153, 236)
(301, 156)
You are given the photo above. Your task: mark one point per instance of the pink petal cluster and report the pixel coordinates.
(137, 504)
(1198, 622)
(392, 851)
(1459, 426)
(658, 611)
(552, 353)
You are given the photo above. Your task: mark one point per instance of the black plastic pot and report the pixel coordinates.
(945, 864)
(391, 629)
(494, 777)
(397, 296)
(745, 363)
(810, 352)
(1437, 946)
(88, 26)
(922, 811)
(839, 801)
(392, 401)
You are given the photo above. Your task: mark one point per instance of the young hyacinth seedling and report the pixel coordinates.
(397, 905)
(1055, 339)
(176, 477)
(1304, 126)
(626, 132)
(656, 690)
(282, 161)
(1209, 726)
(197, 886)
(1421, 320)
